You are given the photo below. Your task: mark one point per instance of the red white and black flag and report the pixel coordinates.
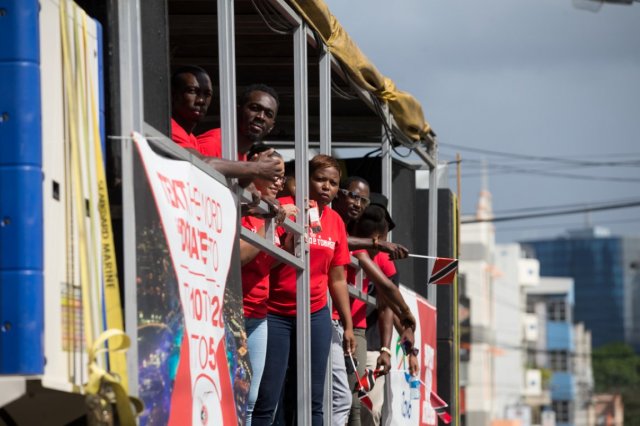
(443, 271)
(440, 407)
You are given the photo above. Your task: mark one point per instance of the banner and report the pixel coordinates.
(184, 376)
(408, 398)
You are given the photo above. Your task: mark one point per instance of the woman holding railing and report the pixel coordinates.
(329, 253)
(256, 266)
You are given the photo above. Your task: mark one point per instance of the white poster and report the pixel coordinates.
(409, 397)
(198, 217)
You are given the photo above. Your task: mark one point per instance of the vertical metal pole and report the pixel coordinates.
(387, 162)
(432, 243)
(325, 101)
(303, 328)
(227, 70)
(131, 106)
(325, 148)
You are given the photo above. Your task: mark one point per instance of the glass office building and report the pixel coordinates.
(606, 272)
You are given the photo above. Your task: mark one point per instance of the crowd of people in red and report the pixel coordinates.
(346, 220)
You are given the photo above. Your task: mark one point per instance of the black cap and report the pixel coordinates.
(382, 201)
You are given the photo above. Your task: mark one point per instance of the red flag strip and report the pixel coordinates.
(440, 407)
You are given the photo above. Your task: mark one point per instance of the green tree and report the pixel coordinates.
(616, 369)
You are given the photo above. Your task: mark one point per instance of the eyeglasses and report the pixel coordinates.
(280, 179)
(364, 201)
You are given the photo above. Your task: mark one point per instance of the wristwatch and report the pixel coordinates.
(385, 349)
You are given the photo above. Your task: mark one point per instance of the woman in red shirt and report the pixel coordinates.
(256, 265)
(329, 253)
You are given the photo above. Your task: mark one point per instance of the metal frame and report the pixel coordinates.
(303, 309)
(131, 119)
(227, 70)
(131, 98)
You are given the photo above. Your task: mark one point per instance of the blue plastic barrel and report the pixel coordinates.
(21, 225)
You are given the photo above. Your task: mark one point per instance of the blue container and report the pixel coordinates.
(21, 225)
(21, 337)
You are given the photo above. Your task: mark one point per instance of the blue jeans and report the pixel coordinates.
(281, 348)
(257, 347)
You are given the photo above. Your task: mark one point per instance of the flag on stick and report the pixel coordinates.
(443, 271)
(364, 384)
(440, 407)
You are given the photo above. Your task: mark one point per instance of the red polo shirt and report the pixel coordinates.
(328, 248)
(255, 276)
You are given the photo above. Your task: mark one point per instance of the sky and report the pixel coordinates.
(534, 78)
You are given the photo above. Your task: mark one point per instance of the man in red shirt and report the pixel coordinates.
(191, 94)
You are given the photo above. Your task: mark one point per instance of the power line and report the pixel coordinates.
(571, 205)
(556, 159)
(556, 213)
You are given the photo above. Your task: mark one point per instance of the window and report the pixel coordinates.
(563, 411)
(557, 310)
(559, 361)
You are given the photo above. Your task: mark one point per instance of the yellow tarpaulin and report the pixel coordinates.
(406, 110)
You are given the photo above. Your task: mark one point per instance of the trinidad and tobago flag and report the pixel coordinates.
(444, 269)
(364, 384)
(440, 407)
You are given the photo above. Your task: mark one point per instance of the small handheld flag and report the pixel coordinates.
(364, 384)
(440, 407)
(443, 271)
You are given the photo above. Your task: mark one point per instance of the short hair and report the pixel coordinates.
(259, 147)
(346, 183)
(372, 221)
(186, 69)
(322, 161)
(258, 87)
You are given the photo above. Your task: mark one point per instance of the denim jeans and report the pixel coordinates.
(257, 347)
(281, 347)
(340, 391)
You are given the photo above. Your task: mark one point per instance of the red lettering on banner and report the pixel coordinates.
(206, 352)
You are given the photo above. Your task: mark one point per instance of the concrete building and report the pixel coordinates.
(477, 248)
(519, 394)
(567, 353)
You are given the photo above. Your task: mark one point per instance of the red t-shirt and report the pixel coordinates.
(359, 317)
(181, 137)
(358, 307)
(255, 276)
(210, 143)
(328, 248)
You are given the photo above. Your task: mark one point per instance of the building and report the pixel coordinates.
(606, 272)
(567, 353)
(519, 394)
(477, 248)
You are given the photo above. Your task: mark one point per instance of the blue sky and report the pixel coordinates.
(534, 78)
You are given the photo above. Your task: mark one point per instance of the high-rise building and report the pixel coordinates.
(606, 272)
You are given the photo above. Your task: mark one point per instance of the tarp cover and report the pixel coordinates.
(406, 110)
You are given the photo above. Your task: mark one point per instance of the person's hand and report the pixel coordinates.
(408, 320)
(408, 336)
(396, 251)
(414, 367)
(290, 210)
(383, 363)
(268, 167)
(349, 341)
(249, 209)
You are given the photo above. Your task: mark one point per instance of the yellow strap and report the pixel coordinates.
(113, 308)
(95, 347)
(98, 375)
(76, 175)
